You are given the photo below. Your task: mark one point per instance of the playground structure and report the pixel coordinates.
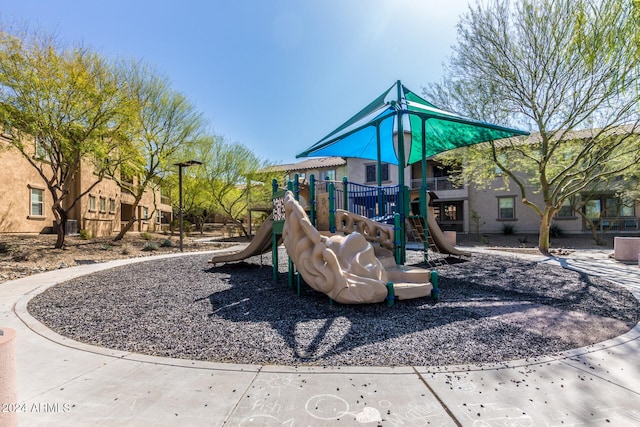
(406, 129)
(346, 266)
(348, 256)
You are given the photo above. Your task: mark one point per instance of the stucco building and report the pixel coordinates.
(101, 212)
(463, 208)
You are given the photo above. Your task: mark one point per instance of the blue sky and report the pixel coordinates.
(274, 75)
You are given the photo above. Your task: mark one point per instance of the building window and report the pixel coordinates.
(37, 202)
(371, 172)
(158, 216)
(301, 176)
(618, 206)
(506, 207)
(627, 207)
(41, 149)
(103, 204)
(92, 203)
(112, 205)
(566, 210)
(145, 213)
(448, 211)
(328, 175)
(592, 209)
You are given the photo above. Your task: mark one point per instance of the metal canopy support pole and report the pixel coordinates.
(401, 166)
(424, 208)
(381, 208)
(274, 234)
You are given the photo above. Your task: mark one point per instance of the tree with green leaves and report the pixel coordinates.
(165, 123)
(228, 182)
(567, 70)
(70, 103)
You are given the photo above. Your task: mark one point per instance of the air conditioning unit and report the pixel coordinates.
(72, 227)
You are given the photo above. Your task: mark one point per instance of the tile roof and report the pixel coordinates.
(581, 134)
(313, 163)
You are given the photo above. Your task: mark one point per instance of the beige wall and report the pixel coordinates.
(102, 219)
(340, 172)
(485, 203)
(356, 172)
(18, 176)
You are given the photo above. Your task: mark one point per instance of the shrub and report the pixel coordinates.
(5, 248)
(21, 255)
(167, 243)
(175, 225)
(85, 235)
(106, 247)
(150, 246)
(145, 235)
(508, 229)
(126, 250)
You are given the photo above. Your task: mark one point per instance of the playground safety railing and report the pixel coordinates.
(378, 203)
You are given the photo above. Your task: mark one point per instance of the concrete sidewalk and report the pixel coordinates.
(63, 382)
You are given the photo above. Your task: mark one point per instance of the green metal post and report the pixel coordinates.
(332, 207)
(396, 238)
(391, 295)
(401, 167)
(402, 239)
(381, 210)
(312, 199)
(296, 187)
(274, 237)
(424, 206)
(290, 273)
(435, 292)
(345, 193)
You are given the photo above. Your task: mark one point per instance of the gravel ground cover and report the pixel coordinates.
(491, 309)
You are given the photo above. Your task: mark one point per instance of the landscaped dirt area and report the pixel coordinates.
(23, 255)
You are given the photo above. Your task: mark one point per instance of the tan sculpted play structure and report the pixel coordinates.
(347, 267)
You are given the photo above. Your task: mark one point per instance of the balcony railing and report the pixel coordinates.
(437, 184)
(614, 224)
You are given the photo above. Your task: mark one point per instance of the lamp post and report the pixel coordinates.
(180, 167)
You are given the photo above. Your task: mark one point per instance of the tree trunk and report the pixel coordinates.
(129, 224)
(61, 223)
(545, 227)
(125, 229)
(244, 231)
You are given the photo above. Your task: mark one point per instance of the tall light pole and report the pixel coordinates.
(180, 167)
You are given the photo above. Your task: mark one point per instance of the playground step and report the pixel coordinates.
(403, 273)
(412, 290)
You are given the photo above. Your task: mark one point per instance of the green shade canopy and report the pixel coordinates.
(370, 133)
